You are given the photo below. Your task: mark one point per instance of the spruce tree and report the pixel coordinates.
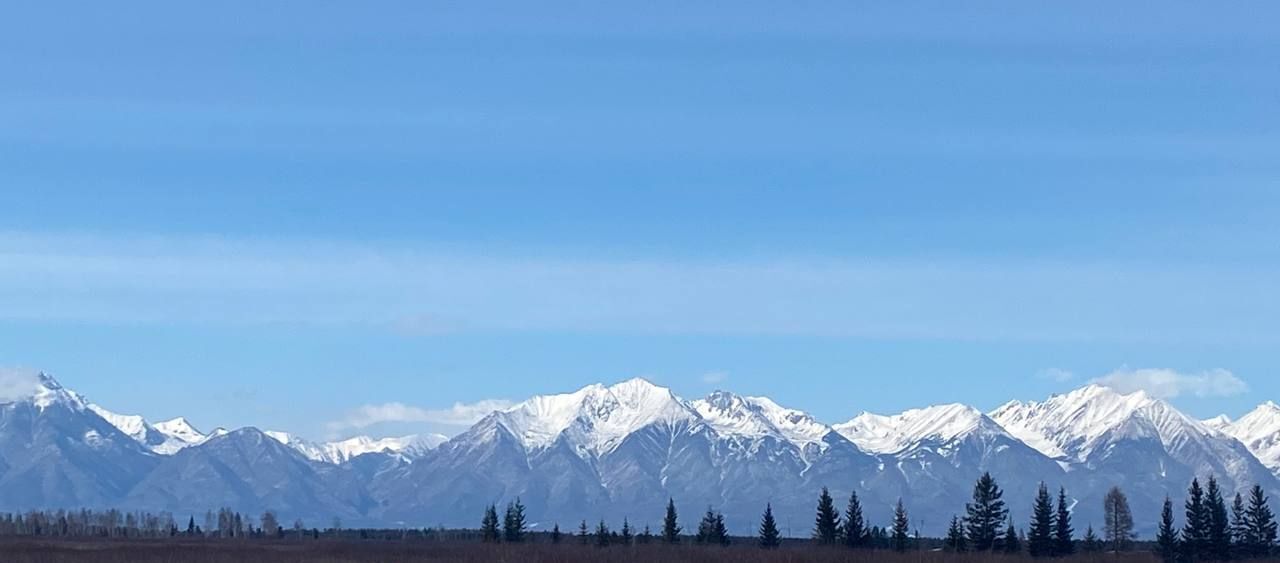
(1261, 523)
(1063, 542)
(855, 528)
(900, 537)
(1040, 533)
(1219, 522)
(985, 514)
(489, 525)
(191, 526)
(1195, 529)
(827, 523)
(583, 535)
(1241, 537)
(626, 534)
(769, 536)
(1010, 543)
(555, 533)
(513, 524)
(670, 527)
(720, 533)
(955, 540)
(706, 527)
(1166, 534)
(1091, 542)
(646, 536)
(602, 534)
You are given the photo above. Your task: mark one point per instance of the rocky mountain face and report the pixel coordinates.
(623, 450)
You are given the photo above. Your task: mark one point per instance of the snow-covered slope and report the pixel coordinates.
(1260, 432)
(758, 417)
(1132, 436)
(1071, 425)
(181, 431)
(152, 437)
(595, 418)
(338, 452)
(897, 433)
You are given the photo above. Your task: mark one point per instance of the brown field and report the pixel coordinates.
(332, 551)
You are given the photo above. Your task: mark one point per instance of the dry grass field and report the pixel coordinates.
(350, 551)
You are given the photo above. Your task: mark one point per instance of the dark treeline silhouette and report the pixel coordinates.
(1211, 528)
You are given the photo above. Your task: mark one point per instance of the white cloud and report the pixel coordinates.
(1167, 384)
(1058, 375)
(18, 383)
(715, 377)
(460, 414)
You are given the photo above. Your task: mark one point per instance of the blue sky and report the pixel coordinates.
(295, 214)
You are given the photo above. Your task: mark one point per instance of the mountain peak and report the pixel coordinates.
(895, 433)
(596, 416)
(756, 417)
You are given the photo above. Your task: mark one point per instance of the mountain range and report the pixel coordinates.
(622, 450)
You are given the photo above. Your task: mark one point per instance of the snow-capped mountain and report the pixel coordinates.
(341, 451)
(1259, 431)
(181, 431)
(177, 434)
(56, 452)
(1135, 441)
(595, 418)
(623, 450)
(894, 434)
(757, 417)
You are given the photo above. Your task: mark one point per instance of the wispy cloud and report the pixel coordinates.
(1057, 375)
(17, 383)
(1167, 383)
(427, 291)
(460, 414)
(715, 377)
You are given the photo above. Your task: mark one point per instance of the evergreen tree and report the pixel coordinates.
(645, 536)
(955, 541)
(513, 524)
(855, 528)
(1040, 533)
(1166, 534)
(1063, 542)
(1195, 529)
(555, 533)
(900, 536)
(191, 526)
(827, 523)
(489, 525)
(1119, 519)
(1261, 524)
(720, 533)
(670, 527)
(1219, 522)
(1091, 542)
(1010, 543)
(602, 535)
(1242, 538)
(706, 527)
(583, 535)
(985, 514)
(769, 536)
(626, 534)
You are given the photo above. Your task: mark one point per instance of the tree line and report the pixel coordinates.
(1210, 532)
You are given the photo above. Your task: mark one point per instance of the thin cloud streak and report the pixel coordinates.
(460, 414)
(432, 291)
(1167, 383)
